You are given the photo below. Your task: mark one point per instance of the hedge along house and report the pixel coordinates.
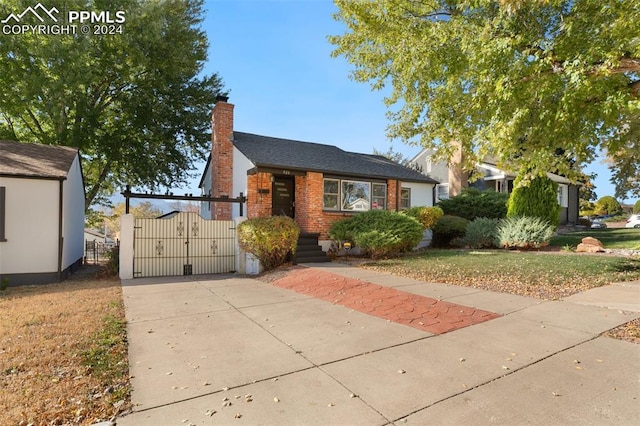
(313, 183)
(41, 212)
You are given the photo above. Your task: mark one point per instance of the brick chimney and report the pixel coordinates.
(458, 178)
(221, 157)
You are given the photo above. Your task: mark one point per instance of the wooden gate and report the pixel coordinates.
(183, 244)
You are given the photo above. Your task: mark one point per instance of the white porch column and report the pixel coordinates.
(127, 222)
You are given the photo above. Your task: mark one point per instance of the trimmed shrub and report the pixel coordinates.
(448, 228)
(538, 199)
(524, 232)
(473, 203)
(270, 239)
(378, 232)
(481, 233)
(427, 216)
(608, 205)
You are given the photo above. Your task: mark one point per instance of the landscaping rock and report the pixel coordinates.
(590, 245)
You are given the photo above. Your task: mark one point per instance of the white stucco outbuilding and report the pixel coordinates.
(41, 212)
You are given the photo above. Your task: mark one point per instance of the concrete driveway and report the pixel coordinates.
(234, 350)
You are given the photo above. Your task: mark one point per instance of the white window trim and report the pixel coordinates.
(408, 190)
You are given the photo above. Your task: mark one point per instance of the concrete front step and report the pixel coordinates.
(309, 250)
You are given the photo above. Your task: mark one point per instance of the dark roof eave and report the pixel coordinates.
(37, 177)
(339, 172)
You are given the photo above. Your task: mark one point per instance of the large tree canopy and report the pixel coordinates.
(540, 85)
(134, 102)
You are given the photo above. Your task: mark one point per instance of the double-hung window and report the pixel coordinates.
(405, 198)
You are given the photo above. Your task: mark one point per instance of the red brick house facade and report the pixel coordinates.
(316, 184)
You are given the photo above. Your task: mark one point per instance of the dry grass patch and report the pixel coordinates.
(63, 353)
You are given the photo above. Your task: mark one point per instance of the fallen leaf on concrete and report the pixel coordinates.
(401, 371)
(276, 399)
(210, 413)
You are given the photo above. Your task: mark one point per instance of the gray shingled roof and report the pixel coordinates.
(270, 152)
(35, 160)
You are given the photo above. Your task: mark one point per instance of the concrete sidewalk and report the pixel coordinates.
(229, 350)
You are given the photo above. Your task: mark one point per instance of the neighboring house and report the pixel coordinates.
(41, 212)
(93, 235)
(313, 183)
(452, 180)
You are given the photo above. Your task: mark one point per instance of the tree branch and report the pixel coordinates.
(93, 192)
(37, 123)
(11, 127)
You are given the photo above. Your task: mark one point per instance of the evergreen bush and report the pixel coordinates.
(473, 203)
(481, 233)
(538, 199)
(378, 233)
(427, 216)
(448, 228)
(524, 232)
(270, 239)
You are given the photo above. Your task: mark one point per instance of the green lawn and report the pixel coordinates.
(539, 274)
(613, 238)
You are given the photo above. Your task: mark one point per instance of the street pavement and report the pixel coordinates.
(332, 344)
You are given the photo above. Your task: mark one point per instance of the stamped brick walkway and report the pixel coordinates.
(423, 313)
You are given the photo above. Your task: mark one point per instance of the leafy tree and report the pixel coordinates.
(513, 79)
(144, 210)
(135, 103)
(636, 207)
(608, 205)
(537, 200)
(586, 192)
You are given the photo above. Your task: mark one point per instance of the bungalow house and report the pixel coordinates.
(41, 212)
(452, 180)
(313, 183)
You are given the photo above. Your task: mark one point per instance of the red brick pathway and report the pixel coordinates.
(423, 313)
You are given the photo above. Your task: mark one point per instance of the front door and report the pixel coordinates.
(283, 196)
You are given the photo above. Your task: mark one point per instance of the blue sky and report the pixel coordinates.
(276, 63)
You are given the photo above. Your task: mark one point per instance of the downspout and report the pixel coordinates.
(60, 237)
(397, 195)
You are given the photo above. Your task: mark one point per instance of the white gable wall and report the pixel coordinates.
(73, 216)
(31, 226)
(205, 206)
(421, 193)
(240, 166)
